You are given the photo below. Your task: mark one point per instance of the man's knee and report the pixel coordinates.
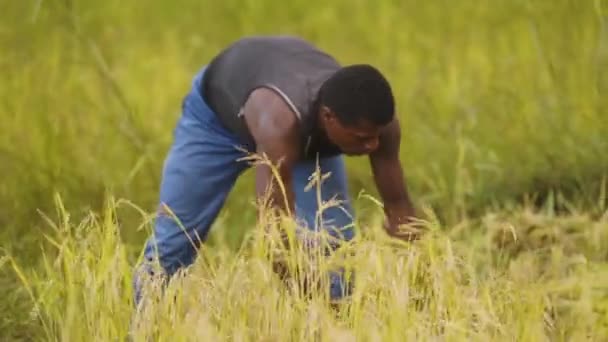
(338, 220)
(340, 284)
(171, 246)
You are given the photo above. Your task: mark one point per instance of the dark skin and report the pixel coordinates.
(276, 131)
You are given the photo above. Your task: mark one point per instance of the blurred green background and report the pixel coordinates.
(500, 101)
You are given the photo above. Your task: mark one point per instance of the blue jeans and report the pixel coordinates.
(200, 170)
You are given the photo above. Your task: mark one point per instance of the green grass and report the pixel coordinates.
(504, 126)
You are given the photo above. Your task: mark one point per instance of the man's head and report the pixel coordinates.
(355, 104)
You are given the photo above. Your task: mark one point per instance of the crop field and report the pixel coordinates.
(504, 113)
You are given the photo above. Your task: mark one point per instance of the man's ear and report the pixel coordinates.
(327, 114)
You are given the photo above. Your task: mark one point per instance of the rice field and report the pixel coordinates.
(505, 120)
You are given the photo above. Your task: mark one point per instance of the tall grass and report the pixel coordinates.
(502, 103)
(528, 275)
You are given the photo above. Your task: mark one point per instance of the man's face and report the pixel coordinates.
(359, 139)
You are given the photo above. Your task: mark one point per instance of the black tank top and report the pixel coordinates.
(291, 66)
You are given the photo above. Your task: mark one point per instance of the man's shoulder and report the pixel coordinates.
(273, 126)
(267, 108)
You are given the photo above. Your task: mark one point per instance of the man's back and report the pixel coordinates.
(291, 66)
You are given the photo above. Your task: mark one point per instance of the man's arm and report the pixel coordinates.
(274, 128)
(390, 182)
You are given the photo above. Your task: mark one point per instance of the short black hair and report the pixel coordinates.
(356, 92)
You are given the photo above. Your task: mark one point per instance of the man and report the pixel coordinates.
(281, 97)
